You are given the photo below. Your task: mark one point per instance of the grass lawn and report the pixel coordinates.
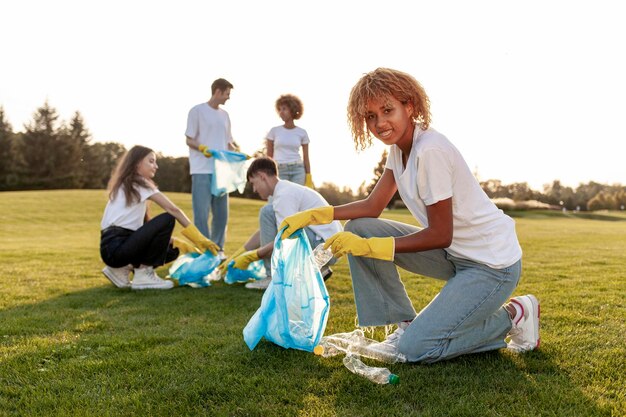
(73, 345)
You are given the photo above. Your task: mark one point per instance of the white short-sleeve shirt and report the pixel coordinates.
(210, 127)
(435, 171)
(117, 213)
(287, 143)
(290, 198)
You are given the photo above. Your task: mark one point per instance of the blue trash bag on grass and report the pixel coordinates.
(294, 308)
(229, 173)
(256, 270)
(194, 269)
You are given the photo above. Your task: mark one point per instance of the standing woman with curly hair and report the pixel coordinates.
(284, 142)
(129, 238)
(465, 240)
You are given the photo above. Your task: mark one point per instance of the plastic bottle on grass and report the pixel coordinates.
(372, 349)
(328, 349)
(374, 374)
(356, 343)
(344, 340)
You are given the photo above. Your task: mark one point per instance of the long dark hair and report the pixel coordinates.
(125, 173)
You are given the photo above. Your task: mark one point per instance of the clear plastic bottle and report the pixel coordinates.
(328, 349)
(345, 340)
(374, 374)
(372, 349)
(356, 343)
(322, 256)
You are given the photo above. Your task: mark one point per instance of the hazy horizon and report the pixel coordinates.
(530, 92)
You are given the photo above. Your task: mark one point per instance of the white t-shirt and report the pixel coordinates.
(435, 171)
(290, 198)
(287, 143)
(210, 127)
(116, 213)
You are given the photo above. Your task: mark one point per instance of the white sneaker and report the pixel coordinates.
(261, 284)
(524, 336)
(118, 276)
(147, 279)
(221, 256)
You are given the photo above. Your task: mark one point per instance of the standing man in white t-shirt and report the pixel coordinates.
(287, 198)
(208, 127)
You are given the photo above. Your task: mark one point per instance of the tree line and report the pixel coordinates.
(54, 154)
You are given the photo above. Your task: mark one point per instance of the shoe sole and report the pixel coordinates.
(537, 311)
(150, 287)
(256, 288)
(114, 280)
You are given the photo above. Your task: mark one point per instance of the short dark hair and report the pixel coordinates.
(262, 164)
(220, 84)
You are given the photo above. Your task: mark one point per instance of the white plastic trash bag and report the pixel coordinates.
(230, 172)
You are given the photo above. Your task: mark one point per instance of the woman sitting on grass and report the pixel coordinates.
(465, 240)
(129, 238)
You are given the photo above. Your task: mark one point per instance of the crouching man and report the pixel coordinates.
(287, 198)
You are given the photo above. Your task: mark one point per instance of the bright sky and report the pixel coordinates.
(529, 91)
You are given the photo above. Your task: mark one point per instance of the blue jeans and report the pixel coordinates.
(467, 316)
(269, 230)
(203, 203)
(293, 171)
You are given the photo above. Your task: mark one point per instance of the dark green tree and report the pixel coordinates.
(72, 139)
(39, 151)
(378, 172)
(99, 161)
(335, 195)
(173, 174)
(77, 144)
(8, 178)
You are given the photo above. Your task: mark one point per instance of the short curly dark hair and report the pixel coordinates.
(293, 103)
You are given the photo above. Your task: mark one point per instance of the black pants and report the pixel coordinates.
(148, 245)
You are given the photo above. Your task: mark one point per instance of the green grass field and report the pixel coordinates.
(73, 345)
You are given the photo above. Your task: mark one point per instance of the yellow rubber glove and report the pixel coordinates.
(183, 246)
(308, 182)
(205, 151)
(242, 261)
(319, 215)
(224, 265)
(374, 247)
(192, 233)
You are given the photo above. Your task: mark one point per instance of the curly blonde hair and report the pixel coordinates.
(381, 83)
(293, 103)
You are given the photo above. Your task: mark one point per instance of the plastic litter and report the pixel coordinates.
(230, 172)
(374, 374)
(355, 342)
(322, 256)
(295, 305)
(256, 271)
(193, 269)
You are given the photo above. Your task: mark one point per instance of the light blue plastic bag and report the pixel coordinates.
(295, 306)
(256, 270)
(229, 172)
(194, 269)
